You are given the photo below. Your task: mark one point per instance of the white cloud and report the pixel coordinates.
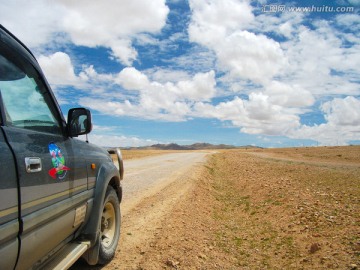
(342, 126)
(122, 50)
(89, 23)
(106, 136)
(289, 95)
(343, 112)
(201, 87)
(113, 24)
(254, 116)
(93, 78)
(34, 22)
(119, 141)
(213, 20)
(138, 96)
(132, 79)
(249, 56)
(58, 69)
(259, 116)
(284, 25)
(349, 20)
(165, 101)
(162, 75)
(220, 26)
(322, 61)
(266, 118)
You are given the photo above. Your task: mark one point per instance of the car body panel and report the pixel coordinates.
(9, 224)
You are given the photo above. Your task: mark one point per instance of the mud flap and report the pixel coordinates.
(92, 254)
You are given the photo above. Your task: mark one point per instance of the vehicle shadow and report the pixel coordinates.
(81, 264)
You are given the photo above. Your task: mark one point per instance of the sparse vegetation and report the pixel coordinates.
(267, 209)
(294, 215)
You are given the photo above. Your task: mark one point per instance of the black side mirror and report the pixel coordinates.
(79, 122)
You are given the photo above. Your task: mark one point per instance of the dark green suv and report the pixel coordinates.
(59, 196)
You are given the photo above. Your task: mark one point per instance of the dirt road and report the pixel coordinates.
(152, 186)
(147, 176)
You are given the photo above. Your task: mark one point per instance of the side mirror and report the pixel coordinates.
(79, 122)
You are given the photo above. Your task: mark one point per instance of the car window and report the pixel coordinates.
(25, 98)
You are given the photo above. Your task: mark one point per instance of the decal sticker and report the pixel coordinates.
(58, 161)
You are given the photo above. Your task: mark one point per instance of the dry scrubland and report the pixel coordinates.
(265, 209)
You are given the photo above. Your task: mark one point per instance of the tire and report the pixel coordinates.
(109, 227)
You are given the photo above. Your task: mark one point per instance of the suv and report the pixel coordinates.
(59, 196)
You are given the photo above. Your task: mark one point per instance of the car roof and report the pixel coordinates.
(14, 39)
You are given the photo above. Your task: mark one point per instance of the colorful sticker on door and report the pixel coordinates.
(58, 161)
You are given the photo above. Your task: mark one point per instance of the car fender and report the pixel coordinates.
(107, 174)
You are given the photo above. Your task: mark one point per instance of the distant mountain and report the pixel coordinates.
(195, 146)
(170, 146)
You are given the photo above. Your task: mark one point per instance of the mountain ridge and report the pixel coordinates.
(194, 146)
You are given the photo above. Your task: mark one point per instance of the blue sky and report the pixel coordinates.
(266, 73)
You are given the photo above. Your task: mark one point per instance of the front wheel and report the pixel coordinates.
(109, 227)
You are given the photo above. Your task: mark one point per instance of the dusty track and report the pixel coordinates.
(147, 176)
(152, 186)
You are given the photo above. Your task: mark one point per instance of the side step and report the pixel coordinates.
(68, 255)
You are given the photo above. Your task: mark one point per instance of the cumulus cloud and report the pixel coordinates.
(260, 115)
(88, 23)
(30, 25)
(200, 87)
(213, 20)
(323, 60)
(168, 75)
(349, 20)
(119, 140)
(165, 101)
(249, 56)
(342, 123)
(284, 25)
(343, 112)
(289, 95)
(132, 79)
(58, 69)
(254, 116)
(220, 26)
(112, 27)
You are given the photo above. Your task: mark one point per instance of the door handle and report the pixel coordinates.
(33, 164)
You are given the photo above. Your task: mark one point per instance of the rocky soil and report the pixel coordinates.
(258, 209)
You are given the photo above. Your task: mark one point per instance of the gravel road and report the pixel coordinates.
(146, 176)
(152, 186)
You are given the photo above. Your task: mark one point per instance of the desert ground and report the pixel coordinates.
(291, 208)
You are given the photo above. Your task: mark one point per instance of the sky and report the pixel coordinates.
(265, 73)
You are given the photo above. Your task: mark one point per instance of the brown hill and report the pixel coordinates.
(195, 146)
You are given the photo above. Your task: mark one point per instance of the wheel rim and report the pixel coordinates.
(108, 226)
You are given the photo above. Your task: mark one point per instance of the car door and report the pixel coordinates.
(51, 173)
(9, 224)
